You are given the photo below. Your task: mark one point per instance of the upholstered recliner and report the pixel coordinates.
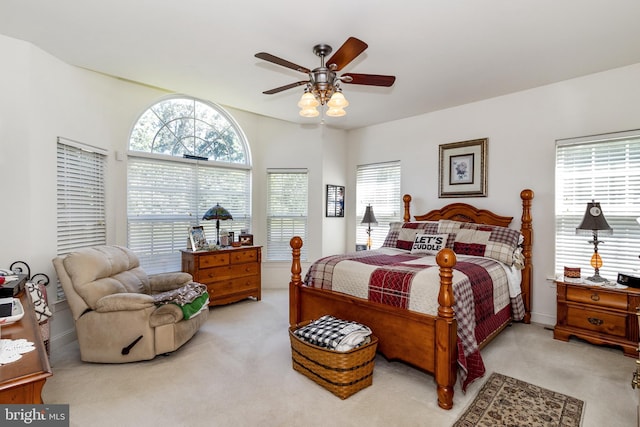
(111, 301)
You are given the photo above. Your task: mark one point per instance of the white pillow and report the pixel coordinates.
(429, 244)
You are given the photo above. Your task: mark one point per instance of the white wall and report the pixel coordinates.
(522, 129)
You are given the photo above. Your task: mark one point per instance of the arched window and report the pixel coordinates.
(185, 156)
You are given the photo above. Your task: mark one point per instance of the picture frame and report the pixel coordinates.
(197, 238)
(335, 201)
(463, 169)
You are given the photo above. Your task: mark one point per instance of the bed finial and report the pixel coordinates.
(407, 213)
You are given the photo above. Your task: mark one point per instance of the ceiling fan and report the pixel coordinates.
(323, 85)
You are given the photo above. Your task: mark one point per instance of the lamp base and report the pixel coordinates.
(596, 278)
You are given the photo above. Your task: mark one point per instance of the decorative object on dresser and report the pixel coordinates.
(231, 274)
(370, 219)
(245, 239)
(425, 337)
(218, 213)
(197, 239)
(600, 315)
(592, 223)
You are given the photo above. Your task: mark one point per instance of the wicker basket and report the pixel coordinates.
(342, 373)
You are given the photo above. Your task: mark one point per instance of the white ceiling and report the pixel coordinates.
(443, 52)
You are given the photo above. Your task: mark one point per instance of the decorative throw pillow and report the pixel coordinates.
(429, 244)
(408, 232)
(491, 241)
(392, 236)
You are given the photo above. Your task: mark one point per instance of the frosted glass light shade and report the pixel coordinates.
(308, 101)
(309, 112)
(338, 101)
(336, 112)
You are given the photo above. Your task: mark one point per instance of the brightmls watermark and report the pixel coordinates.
(34, 415)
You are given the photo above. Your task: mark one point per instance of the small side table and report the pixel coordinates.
(597, 314)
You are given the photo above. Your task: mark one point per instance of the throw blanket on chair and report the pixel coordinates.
(190, 298)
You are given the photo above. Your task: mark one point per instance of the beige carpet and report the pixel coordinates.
(237, 371)
(506, 401)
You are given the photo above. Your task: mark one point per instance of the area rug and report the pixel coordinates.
(506, 401)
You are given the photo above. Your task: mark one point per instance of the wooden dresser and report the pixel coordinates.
(599, 315)
(231, 274)
(22, 381)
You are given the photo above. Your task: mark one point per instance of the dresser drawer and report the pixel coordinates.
(216, 274)
(597, 321)
(597, 297)
(213, 260)
(242, 256)
(232, 286)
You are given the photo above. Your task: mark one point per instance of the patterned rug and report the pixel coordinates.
(506, 401)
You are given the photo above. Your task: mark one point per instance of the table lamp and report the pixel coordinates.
(218, 213)
(369, 218)
(594, 222)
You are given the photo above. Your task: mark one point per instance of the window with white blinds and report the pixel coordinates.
(287, 201)
(606, 169)
(378, 185)
(166, 197)
(80, 182)
(186, 155)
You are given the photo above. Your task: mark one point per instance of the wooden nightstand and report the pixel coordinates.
(231, 274)
(598, 315)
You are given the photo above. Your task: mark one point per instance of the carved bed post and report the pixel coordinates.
(296, 281)
(446, 331)
(527, 231)
(407, 212)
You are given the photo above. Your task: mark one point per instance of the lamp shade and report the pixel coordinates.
(217, 212)
(369, 217)
(594, 220)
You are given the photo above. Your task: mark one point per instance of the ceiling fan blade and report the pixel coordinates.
(282, 62)
(369, 79)
(281, 88)
(347, 53)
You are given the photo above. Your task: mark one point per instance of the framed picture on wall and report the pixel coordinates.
(335, 201)
(463, 169)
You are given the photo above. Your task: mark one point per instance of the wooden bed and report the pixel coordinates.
(424, 341)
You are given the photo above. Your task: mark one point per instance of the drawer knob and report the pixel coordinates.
(595, 297)
(595, 321)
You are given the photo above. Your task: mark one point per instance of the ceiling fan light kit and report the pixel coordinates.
(323, 86)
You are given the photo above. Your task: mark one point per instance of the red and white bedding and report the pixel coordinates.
(486, 291)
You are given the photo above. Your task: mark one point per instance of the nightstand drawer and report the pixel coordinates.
(597, 321)
(597, 297)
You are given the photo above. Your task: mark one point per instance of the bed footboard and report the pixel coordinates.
(427, 342)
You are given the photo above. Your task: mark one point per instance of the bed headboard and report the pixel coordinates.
(467, 213)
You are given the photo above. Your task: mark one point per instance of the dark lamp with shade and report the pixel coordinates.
(369, 218)
(218, 213)
(594, 223)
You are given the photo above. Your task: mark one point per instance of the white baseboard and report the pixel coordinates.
(62, 339)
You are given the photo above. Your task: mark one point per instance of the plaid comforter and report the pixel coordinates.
(397, 278)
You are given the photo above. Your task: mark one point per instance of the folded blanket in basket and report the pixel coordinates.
(333, 333)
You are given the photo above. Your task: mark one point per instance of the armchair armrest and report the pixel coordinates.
(124, 302)
(167, 281)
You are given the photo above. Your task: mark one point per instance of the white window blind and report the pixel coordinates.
(166, 197)
(378, 185)
(287, 202)
(80, 182)
(605, 169)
